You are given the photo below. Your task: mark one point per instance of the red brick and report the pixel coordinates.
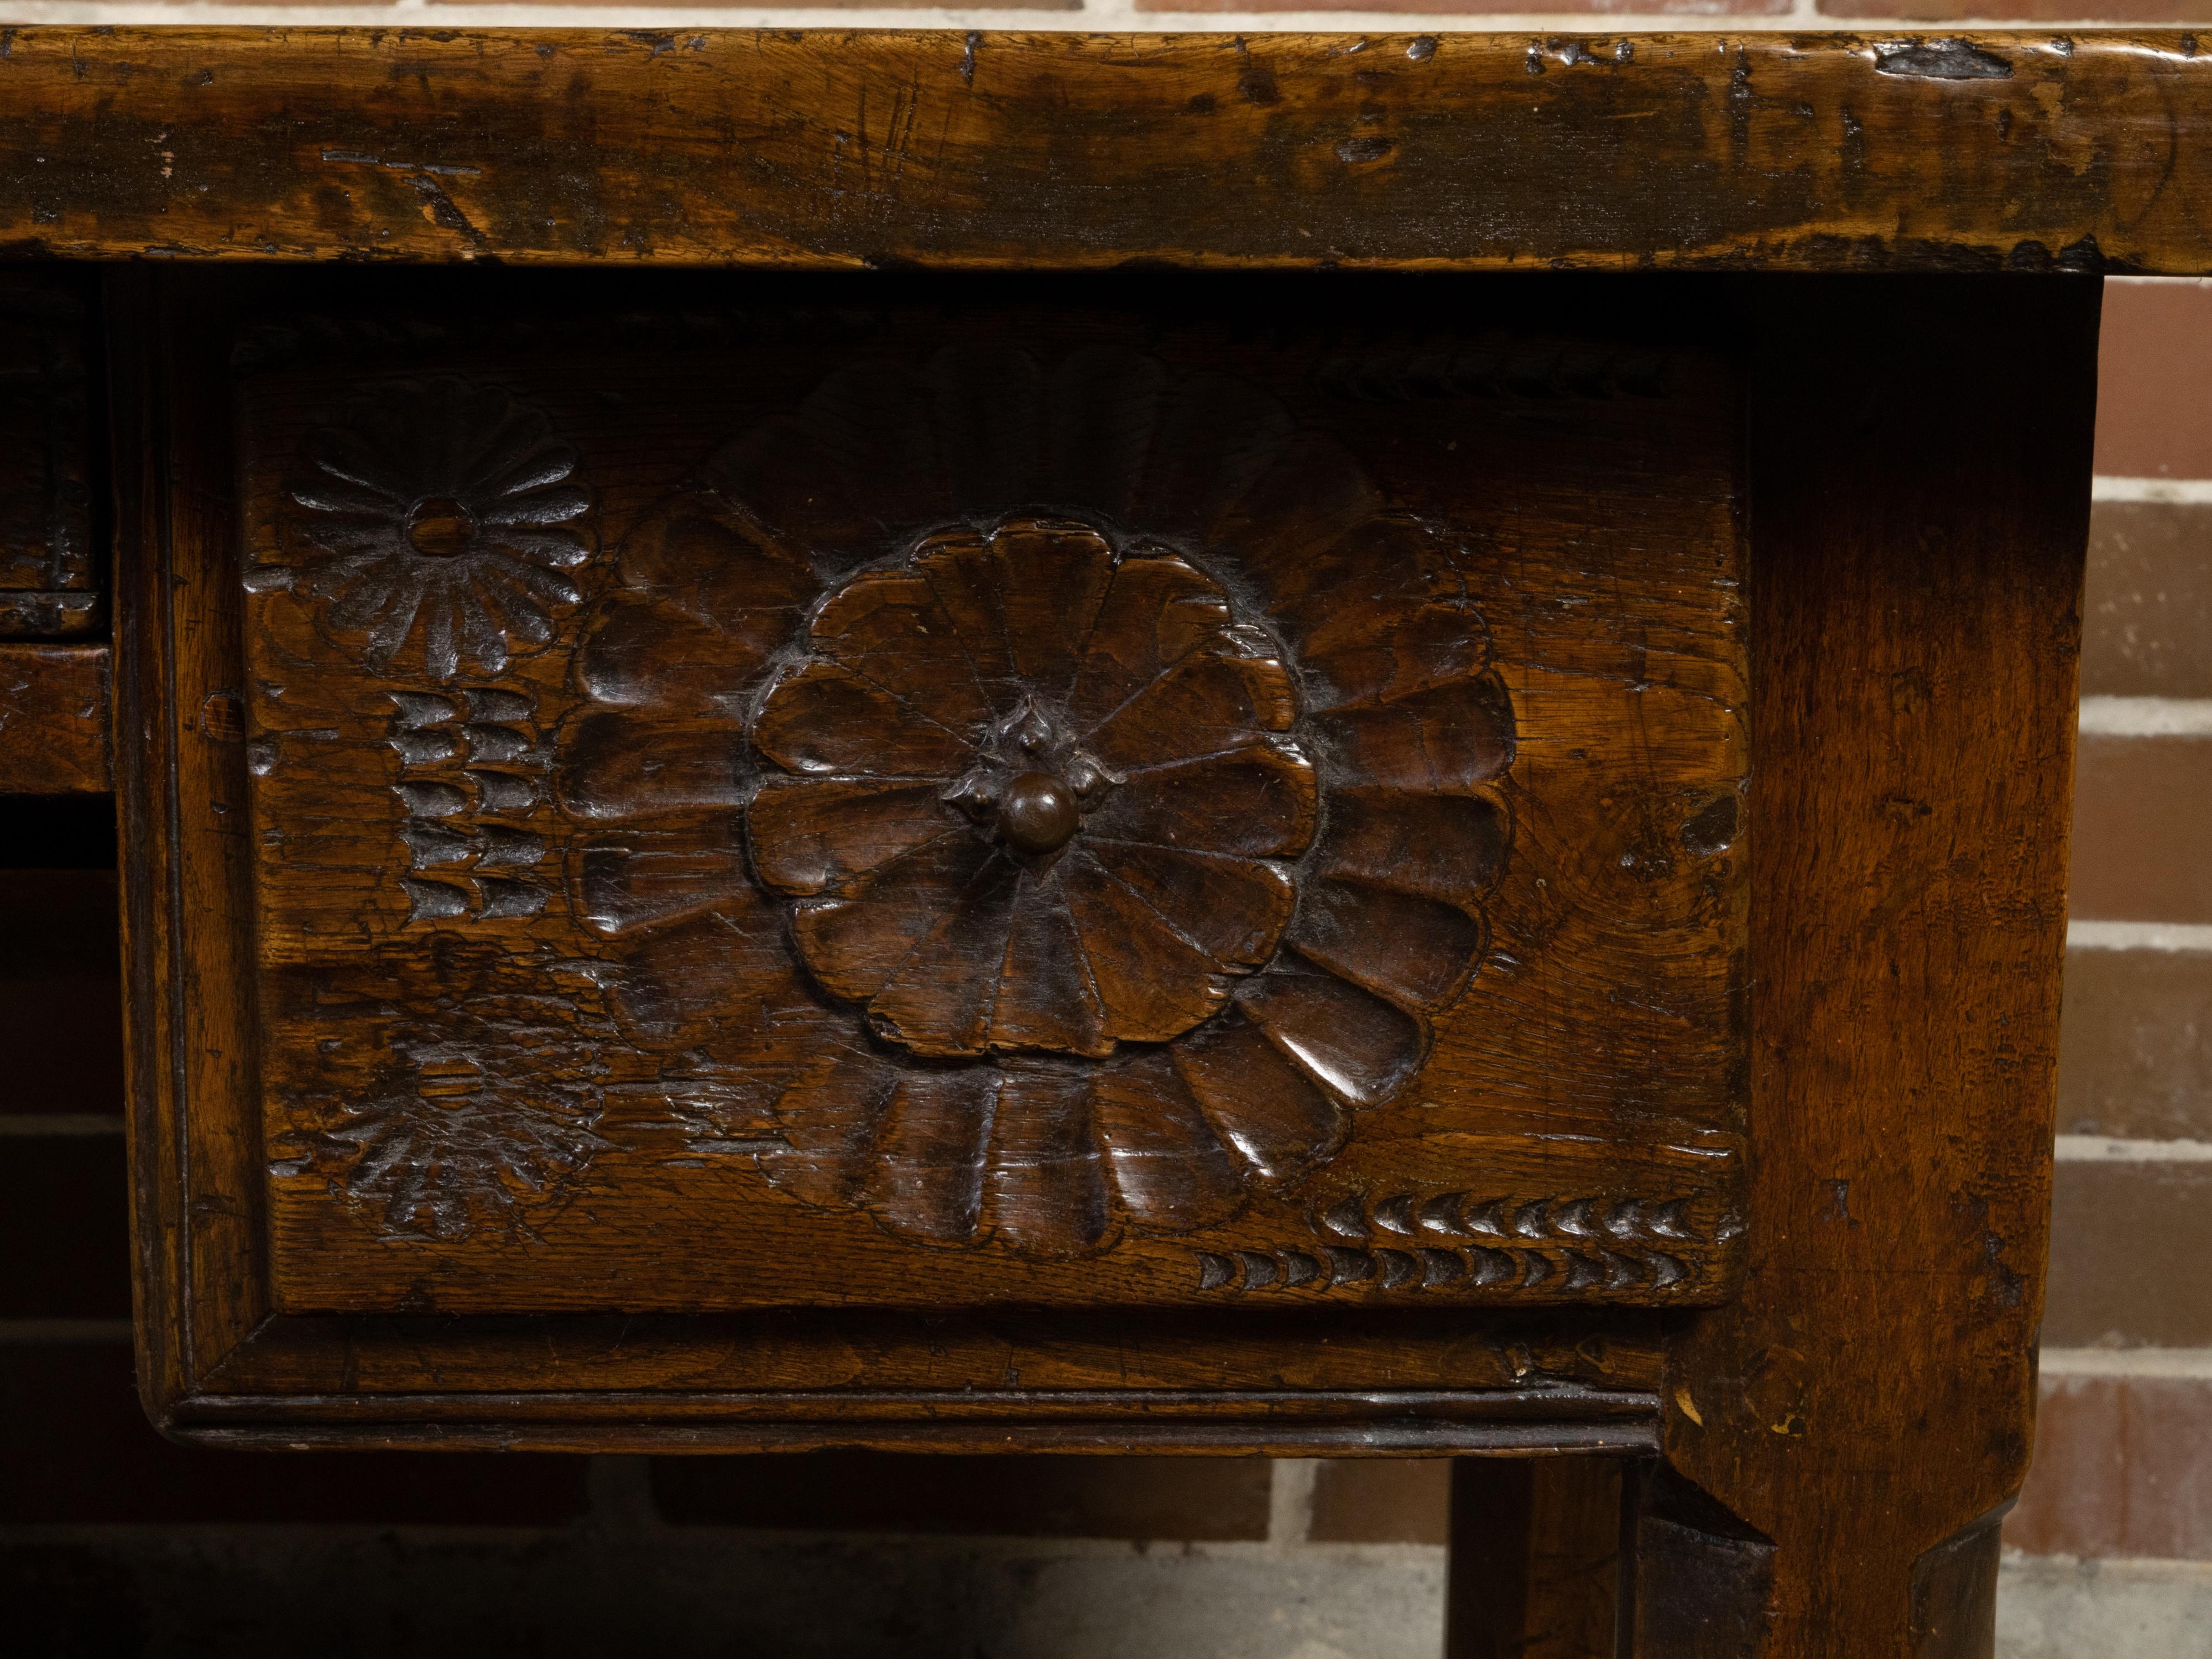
(76, 1448)
(2123, 1467)
(1152, 1497)
(2134, 1045)
(2146, 611)
(2141, 853)
(2154, 366)
(2130, 1242)
(1382, 1500)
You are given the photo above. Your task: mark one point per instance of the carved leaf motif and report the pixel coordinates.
(1128, 891)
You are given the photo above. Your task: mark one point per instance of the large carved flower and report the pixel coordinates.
(445, 514)
(1033, 797)
(1071, 794)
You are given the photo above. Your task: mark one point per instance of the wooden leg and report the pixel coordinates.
(1840, 1442)
(1535, 1558)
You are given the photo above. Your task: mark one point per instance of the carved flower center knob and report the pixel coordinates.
(440, 527)
(1038, 813)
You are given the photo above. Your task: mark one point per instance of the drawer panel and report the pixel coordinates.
(976, 797)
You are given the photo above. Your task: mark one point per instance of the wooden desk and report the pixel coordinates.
(1310, 745)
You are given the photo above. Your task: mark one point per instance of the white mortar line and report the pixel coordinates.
(2171, 492)
(2147, 717)
(2138, 936)
(60, 1123)
(1291, 1500)
(2186, 1365)
(27, 1333)
(2104, 1149)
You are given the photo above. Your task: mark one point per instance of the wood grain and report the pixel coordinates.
(1535, 1567)
(1546, 1153)
(1849, 1427)
(51, 569)
(650, 861)
(832, 148)
(53, 720)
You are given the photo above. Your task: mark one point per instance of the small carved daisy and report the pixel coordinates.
(447, 515)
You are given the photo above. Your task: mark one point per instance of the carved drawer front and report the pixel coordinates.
(992, 802)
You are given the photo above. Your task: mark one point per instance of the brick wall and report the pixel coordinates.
(114, 1540)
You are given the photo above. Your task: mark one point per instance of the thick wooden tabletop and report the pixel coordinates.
(824, 148)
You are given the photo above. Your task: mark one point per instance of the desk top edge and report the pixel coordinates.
(2032, 151)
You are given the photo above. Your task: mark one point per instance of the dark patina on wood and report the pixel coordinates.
(2029, 151)
(1092, 806)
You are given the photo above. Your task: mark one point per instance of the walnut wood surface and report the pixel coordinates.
(53, 720)
(472, 1105)
(1848, 1431)
(1535, 1561)
(830, 147)
(50, 573)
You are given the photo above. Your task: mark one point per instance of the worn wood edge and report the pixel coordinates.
(2031, 151)
(54, 719)
(144, 801)
(1104, 1436)
(1564, 1405)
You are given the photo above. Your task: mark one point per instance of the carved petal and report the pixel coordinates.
(855, 944)
(1051, 579)
(1254, 801)
(1104, 403)
(826, 718)
(830, 1118)
(927, 1181)
(809, 834)
(640, 652)
(1264, 1107)
(622, 886)
(722, 981)
(1381, 652)
(1157, 611)
(801, 496)
(1350, 1040)
(876, 420)
(1172, 1172)
(1388, 563)
(1203, 704)
(1155, 985)
(1449, 847)
(689, 552)
(630, 766)
(990, 423)
(1448, 738)
(939, 1002)
(1232, 909)
(1048, 1189)
(1414, 951)
(1217, 434)
(962, 576)
(1046, 998)
(889, 627)
(1308, 500)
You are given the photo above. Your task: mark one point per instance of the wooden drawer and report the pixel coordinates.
(928, 835)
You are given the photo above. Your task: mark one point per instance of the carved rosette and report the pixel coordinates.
(483, 1113)
(1094, 765)
(446, 517)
